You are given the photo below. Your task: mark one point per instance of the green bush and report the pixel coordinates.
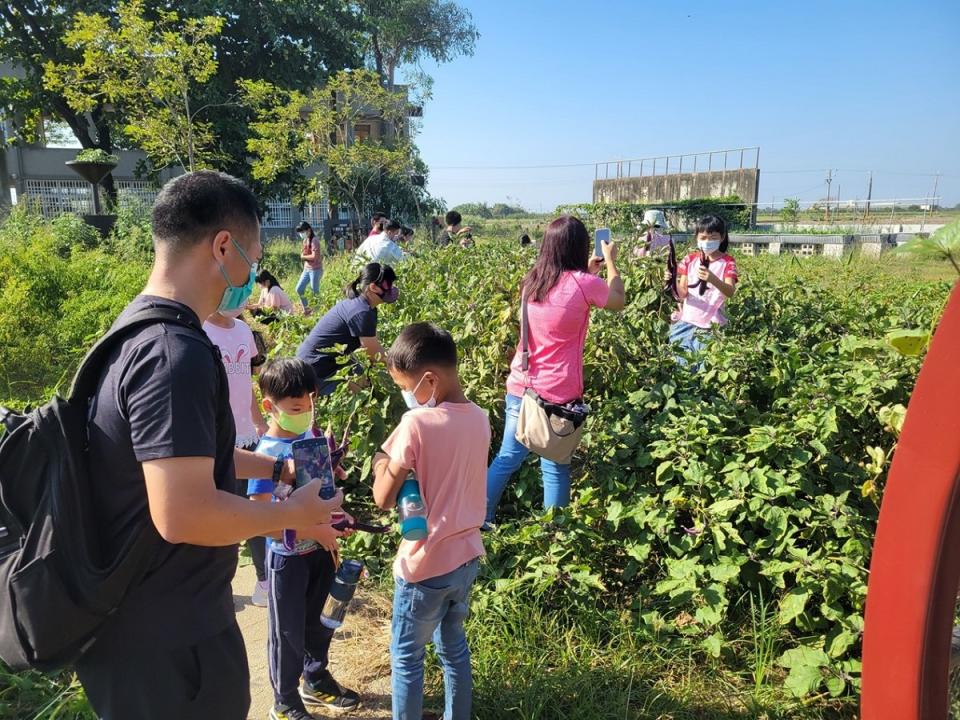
(681, 214)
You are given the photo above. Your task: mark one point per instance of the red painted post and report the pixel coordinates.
(915, 568)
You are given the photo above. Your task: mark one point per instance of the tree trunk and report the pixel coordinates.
(105, 143)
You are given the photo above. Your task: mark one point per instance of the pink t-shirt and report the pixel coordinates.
(557, 332)
(237, 349)
(275, 299)
(447, 448)
(707, 309)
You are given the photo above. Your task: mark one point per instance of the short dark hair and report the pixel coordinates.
(195, 205)
(525, 239)
(406, 231)
(713, 224)
(420, 345)
(306, 227)
(379, 225)
(453, 218)
(394, 225)
(287, 378)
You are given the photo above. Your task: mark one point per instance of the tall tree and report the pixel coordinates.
(297, 131)
(404, 32)
(295, 43)
(148, 69)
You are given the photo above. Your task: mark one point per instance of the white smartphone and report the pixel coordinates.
(602, 235)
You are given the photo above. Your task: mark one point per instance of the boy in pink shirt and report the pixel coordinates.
(444, 439)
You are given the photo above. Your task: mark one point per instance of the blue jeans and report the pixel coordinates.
(556, 477)
(311, 278)
(437, 608)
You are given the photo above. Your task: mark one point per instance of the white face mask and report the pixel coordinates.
(708, 246)
(303, 236)
(410, 397)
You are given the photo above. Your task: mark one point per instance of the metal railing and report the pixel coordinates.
(709, 161)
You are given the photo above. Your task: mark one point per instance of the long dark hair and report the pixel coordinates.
(372, 273)
(307, 228)
(265, 276)
(565, 246)
(713, 224)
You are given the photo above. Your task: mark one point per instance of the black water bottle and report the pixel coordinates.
(341, 593)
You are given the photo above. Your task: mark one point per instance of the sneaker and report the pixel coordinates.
(329, 694)
(259, 597)
(282, 712)
(487, 526)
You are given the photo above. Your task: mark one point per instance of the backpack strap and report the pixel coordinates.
(524, 333)
(85, 381)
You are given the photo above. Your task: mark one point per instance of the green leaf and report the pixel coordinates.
(836, 685)
(713, 644)
(664, 470)
(803, 680)
(724, 507)
(793, 604)
(909, 343)
(803, 655)
(840, 643)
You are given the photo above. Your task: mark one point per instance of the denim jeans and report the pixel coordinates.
(437, 608)
(690, 337)
(556, 477)
(311, 278)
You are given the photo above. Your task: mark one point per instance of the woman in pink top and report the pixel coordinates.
(272, 297)
(560, 290)
(704, 287)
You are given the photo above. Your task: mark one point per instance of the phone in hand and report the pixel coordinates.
(311, 459)
(600, 236)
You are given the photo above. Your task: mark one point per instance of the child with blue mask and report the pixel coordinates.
(706, 279)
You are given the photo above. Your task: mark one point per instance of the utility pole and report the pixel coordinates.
(829, 181)
(930, 201)
(866, 214)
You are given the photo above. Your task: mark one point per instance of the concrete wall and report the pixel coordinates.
(670, 188)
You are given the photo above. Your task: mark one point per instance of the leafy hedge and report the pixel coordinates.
(681, 214)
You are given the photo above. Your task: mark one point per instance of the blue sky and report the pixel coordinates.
(849, 85)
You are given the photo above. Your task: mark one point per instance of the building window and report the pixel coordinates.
(361, 133)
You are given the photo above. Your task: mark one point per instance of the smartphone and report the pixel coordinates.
(311, 459)
(602, 235)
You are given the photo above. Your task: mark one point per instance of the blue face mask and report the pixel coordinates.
(234, 296)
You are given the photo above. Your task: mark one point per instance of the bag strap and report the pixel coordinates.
(88, 374)
(524, 333)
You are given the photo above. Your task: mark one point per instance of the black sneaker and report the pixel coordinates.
(329, 694)
(282, 712)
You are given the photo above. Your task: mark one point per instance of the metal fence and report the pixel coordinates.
(708, 161)
(54, 197)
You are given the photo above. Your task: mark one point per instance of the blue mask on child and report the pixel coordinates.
(234, 296)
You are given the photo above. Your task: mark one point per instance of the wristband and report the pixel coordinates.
(277, 469)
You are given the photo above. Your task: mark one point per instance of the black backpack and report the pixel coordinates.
(57, 585)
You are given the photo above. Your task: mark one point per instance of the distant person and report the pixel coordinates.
(161, 439)
(238, 350)
(406, 235)
(455, 232)
(382, 248)
(525, 240)
(352, 323)
(298, 644)
(654, 226)
(272, 298)
(706, 279)
(312, 257)
(561, 289)
(444, 440)
(377, 223)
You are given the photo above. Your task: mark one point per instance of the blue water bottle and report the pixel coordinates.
(413, 511)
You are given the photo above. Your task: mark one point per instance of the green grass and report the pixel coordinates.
(35, 696)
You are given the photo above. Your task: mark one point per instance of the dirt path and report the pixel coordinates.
(359, 656)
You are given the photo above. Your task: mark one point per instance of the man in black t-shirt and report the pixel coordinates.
(162, 451)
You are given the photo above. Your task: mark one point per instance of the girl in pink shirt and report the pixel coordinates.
(561, 289)
(704, 287)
